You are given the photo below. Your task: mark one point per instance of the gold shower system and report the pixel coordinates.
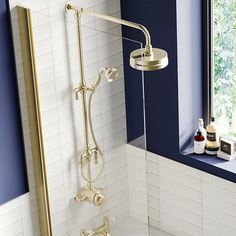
(144, 59)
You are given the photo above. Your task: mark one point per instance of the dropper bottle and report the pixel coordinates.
(201, 128)
(199, 142)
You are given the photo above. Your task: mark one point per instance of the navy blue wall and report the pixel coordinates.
(133, 92)
(13, 175)
(171, 111)
(190, 72)
(161, 87)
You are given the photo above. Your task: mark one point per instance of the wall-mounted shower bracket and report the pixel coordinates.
(81, 89)
(101, 230)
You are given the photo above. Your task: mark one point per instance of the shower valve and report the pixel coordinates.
(95, 154)
(79, 89)
(79, 198)
(77, 92)
(94, 196)
(88, 156)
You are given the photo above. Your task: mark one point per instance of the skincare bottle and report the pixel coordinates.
(201, 127)
(212, 144)
(199, 142)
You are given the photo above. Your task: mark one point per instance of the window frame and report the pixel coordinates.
(207, 58)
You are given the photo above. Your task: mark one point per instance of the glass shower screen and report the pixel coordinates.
(120, 167)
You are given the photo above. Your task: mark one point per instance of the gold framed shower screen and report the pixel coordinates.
(35, 124)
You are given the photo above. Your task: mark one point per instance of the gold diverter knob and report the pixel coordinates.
(98, 199)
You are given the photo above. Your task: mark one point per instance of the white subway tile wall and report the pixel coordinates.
(109, 123)
(58, 73)
(181, 200)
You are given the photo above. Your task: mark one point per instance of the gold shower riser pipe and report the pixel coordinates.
(148, 46)
(82, 83)
(83, 92)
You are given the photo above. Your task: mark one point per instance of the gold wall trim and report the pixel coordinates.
(33, 107)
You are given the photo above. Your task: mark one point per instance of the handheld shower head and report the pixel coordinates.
(156, 60)
(111, 74)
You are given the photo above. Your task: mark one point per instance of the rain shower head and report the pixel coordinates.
(155, 60)
(147, 59)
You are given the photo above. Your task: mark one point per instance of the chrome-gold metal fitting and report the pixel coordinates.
(140, 60)
(92, 195)
(146, 59)
(101, 230)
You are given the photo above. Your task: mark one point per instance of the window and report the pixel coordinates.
(223, 85)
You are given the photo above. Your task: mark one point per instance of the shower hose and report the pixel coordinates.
(97, 148)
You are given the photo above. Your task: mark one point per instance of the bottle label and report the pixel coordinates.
(211, 137)
(225, 147)
(199, 147)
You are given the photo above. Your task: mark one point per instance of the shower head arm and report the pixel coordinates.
(148, 46)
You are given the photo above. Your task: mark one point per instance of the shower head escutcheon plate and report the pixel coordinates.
(158, 59)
